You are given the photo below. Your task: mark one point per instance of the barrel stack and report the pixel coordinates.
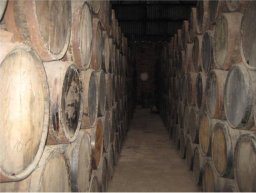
(208, 92)
(66, 107)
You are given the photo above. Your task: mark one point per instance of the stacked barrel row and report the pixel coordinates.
(209, 94)
(64, 95)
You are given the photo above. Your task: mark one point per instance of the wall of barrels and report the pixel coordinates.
(65, 105)
(208, 94)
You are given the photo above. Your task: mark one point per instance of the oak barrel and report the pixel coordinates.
(248, 38)
(78, 154)
(239, 96)
(205, 133)
(43, 25)
(97, 136)
(197, 53)
(211, 182)
(50, 175)
(106, 52)
(215, 93)
(24, 91)
(188, 58)
(198, 165)
(101, 93)
(107, 130)
(193, 23)
(200, 89)
(203, 15)
(89, 81)
(97, 45)
(94, 184)
(102, 175)
(191, 88)
(244, 163)
(65, 101)
(208, 62)
(190, 148)
(109, 90)
(110, 161)
(3, 4)
(227, 40)
(224, 141)
(194, 124)
(81, 34)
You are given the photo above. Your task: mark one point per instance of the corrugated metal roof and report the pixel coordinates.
(148, 19)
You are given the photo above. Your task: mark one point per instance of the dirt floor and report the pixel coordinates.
(149, 161)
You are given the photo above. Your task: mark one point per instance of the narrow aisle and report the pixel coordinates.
(149, 161)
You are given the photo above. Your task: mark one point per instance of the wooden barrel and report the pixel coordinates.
(97, 136)
(191, 88)
(117, 67)
(102, 175)
(50, 175)
(185, 33)
(244, 163)
(124, 45)
(205, 133)
(97, 45)
(215, 9)
(65, 101)
(188, 58)
(183, 87)
(95, 6)
(106, 52)
(198, 165)
(113, 58)
(203, 15)
(194, 124)
(119, 37)
(113, 24)
(94, 184)
(3, 4)
(80, 50)
(105, 14)
(239, 109)
(182, 150)
(101, 93)
(89, 98)
(116, 148)
(114, 124)
(207, 51)
(193, 23)
(236, 5)
(181, 109)
(78, 154)
(179, 40)
(24, 91)
(197, 54)
(200, 89)
(248, 36)
(187, 120)
(190, 148)
(215, 93)
(211, 182)
(107, 130)
(110, 161)
(30, 21)
(176, 136)
(227, 40)
(109, 91)
(224, 140)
